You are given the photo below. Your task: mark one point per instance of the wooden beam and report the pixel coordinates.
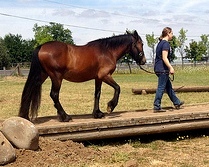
(118, 125)
(176, 89)
(130, 131)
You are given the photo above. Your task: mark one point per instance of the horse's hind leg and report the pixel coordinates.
(54, 94)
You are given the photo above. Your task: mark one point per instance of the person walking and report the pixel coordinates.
(163, 68)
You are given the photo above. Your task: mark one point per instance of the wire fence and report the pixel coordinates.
(23, 69)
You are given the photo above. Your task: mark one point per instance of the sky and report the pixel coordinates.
(93, 19)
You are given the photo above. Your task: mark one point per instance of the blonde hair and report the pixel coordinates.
(165, 32)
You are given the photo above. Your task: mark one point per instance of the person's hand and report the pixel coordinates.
(171, 70)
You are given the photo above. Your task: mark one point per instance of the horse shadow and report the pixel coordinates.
(116, 114)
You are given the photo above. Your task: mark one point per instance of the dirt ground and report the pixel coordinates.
(171, 150)
(159, 153)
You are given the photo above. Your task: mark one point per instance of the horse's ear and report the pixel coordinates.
(128, 32)
(136, 35)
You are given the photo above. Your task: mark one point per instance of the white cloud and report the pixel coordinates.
(63, 12)
(92, 14)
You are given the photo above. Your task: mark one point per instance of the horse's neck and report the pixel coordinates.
(120, 51)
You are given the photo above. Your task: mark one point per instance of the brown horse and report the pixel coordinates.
(95, 60)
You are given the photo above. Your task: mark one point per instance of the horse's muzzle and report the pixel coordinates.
(143, 60)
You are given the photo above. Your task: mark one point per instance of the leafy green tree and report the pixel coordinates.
(151, 42)
(14, 46)
(52, 32)
(19, 50)
(128, 60)
(205, 42)
(173, 44)
(27, 49)
(195, 51)
(181, 39)
(4, 56)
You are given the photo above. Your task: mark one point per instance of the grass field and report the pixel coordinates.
(177, 150)
(77, 98)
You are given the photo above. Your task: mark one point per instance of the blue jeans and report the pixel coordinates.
(164, 83)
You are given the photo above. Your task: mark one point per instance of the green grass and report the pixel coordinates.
(77, 98)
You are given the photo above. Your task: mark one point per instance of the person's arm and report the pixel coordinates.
(166, 61)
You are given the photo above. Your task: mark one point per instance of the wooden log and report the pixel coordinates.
(129, 131)
(124, 126)
(176, 89)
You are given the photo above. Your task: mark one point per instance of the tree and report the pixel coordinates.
(128, 60)
(205, 42)
(13, 44)
(52, 32)
(173, 44)
(195, 51)
(4, 56)
(181, 44)
(151, 42)
(27, 49)
(19, 50)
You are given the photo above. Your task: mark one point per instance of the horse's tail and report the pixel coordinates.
(31, 96)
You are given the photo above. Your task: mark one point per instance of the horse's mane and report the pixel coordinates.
(111, 42)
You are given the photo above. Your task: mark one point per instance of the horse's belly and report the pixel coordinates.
(78, 77)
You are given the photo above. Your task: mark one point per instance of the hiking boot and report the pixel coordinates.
(179, 105)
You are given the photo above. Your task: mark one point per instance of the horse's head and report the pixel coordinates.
(137, 51)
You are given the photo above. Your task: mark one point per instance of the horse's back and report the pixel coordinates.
(71, 62)
(59, 51)
(76, 63)
(53, 49)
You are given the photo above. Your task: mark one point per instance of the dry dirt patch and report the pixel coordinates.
(189, 152)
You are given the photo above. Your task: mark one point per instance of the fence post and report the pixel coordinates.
(4, 68)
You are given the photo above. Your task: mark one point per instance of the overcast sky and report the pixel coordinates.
(93, 19)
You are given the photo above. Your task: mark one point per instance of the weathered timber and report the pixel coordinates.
(122, 124)
(176, 89)
(129, 131)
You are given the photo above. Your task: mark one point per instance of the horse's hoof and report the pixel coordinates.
(67, 118)
(99, 115)
(109, 109)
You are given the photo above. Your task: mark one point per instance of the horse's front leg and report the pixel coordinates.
(96, 111)
(54, 94)
(112, 103)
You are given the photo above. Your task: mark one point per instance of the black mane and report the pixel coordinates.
(112, 42)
